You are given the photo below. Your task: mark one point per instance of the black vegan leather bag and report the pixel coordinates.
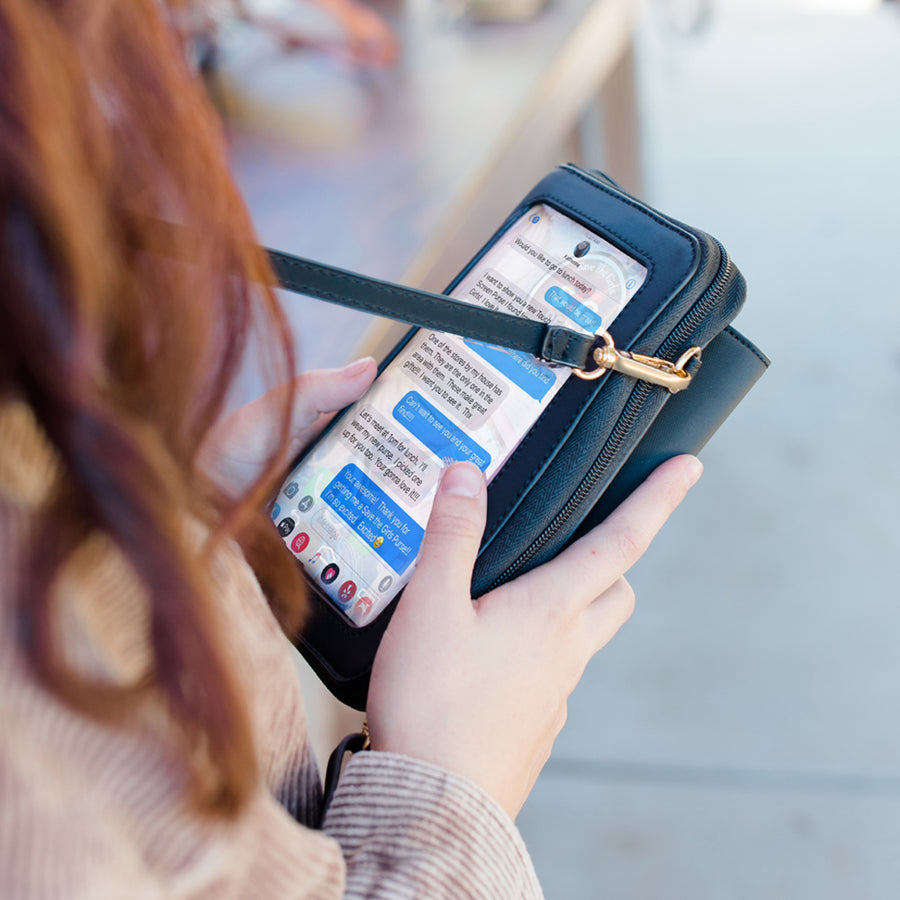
(659, 383)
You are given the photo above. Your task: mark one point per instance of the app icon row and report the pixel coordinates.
(347, 592)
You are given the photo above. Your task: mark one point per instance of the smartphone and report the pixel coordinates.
(354, 510)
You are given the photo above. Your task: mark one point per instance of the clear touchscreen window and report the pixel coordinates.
(354, 511)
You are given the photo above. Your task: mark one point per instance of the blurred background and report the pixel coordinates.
(741, 736)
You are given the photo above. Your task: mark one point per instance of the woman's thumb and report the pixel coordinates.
(454, 530)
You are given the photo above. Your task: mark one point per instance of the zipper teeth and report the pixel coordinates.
(699, 310)
(629, 414)
(632, 407)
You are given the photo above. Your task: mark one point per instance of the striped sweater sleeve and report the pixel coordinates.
(411, 830)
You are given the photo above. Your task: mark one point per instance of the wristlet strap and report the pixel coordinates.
(550, 343)
(352, 743)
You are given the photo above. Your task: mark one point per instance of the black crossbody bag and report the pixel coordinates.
(658, 382)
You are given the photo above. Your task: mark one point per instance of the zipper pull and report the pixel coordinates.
(671, 376)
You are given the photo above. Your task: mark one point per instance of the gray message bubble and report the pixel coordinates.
(458, 381)
(389, 456)
(495, 291)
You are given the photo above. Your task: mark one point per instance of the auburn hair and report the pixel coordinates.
(126, 355)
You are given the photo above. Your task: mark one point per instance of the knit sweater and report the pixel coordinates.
(98, 810)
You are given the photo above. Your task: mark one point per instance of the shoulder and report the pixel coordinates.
(93, 809)
(99, 809)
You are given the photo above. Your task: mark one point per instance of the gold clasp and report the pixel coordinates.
(646, 368)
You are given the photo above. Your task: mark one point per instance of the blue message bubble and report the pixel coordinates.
(438, 432)
(520, 368)
(383, 525)
(573, 309)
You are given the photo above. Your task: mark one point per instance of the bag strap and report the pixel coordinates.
(551, 343)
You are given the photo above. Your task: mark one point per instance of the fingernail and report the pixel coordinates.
(355, 368)
(692, 472)
(463, 480)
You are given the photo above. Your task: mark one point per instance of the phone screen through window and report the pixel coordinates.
(354, 510)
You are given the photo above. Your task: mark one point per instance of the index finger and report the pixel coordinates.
(594, 562)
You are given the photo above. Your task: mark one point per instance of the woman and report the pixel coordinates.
(154, 736)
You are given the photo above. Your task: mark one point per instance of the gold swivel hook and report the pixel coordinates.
(646, 368)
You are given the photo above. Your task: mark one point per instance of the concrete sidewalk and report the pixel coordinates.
(740, 737)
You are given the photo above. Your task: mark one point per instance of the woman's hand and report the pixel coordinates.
(240, 444)
(481, 688)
